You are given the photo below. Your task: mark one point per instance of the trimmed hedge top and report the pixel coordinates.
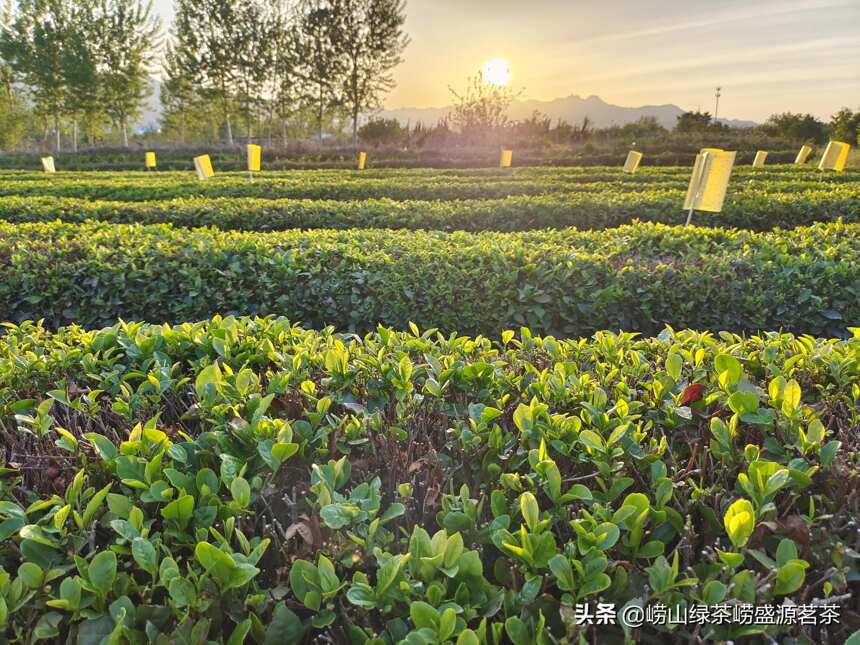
(404, 184)
(564, 282)
(751, 208)
(247, 479)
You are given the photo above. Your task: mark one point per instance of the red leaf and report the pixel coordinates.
(692, 393)
(797, 529)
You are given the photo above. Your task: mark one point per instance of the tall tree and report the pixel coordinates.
(373, 42)
(319, 47)
(178, 92)
(209, 37)
(79, 63)
(7, 16)
(7, 76)
(12, 109)
(33, 44)
(254, 55)
(128, 36)
(284, 79)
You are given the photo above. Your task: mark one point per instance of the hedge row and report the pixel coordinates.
(591, 173)
(656, 154)
(247, 481)
(562, 282)
(393, 185)
(755, 210)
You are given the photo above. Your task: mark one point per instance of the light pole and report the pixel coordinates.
(717, 95)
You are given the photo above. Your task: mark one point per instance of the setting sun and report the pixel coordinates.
(497, 71)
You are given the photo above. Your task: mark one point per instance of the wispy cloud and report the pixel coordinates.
(726, 60)
(762, 11)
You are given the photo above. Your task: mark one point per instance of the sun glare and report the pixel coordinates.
(497, 72)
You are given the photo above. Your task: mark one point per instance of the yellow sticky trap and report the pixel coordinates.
(150, 159)
(255, 155)
(632, 162)
(803, 155)
(507, 158)
(362, 160)
(48, 164)
(835, 156)
(203, 166)
(710, 179)
(760, 156)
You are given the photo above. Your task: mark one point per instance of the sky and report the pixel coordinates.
(767, 55)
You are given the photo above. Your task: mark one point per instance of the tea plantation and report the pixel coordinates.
(429, 406)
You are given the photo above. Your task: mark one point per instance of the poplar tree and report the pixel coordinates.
(284, 78)
(128, 37)
(33, 44)
(373, 42)
(178, 92)
(319, 50)
(257, 23)
(79, 65)
(209, 35)
(12, 109)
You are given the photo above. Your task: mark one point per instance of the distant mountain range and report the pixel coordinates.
(571, 109)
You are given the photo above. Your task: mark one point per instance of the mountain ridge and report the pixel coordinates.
(571, 108)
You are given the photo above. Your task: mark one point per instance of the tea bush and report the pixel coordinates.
(246, 480)
(565, 282)
(401, 184)
(274, 157)
(750, 209)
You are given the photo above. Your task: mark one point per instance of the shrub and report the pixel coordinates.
(750, 209)
(247, 478)
(406, 184)
(565, 282)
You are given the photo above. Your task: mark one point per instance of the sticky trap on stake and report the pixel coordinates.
(760, 157)
(710, 179)
(631, 164)
(362, 160)
(150, 160)
(506, 159)
(803, 155)
(203, 166)
(255, 157)
(835, 156)
(48, 165)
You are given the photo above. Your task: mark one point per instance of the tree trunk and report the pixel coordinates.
(249, 118)
(355, 125)
(227, 123)
(57, 128)
(124, 134)
(182, 128)
(284, 132)
(225, 105)
(320, 114)
(75, 135)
